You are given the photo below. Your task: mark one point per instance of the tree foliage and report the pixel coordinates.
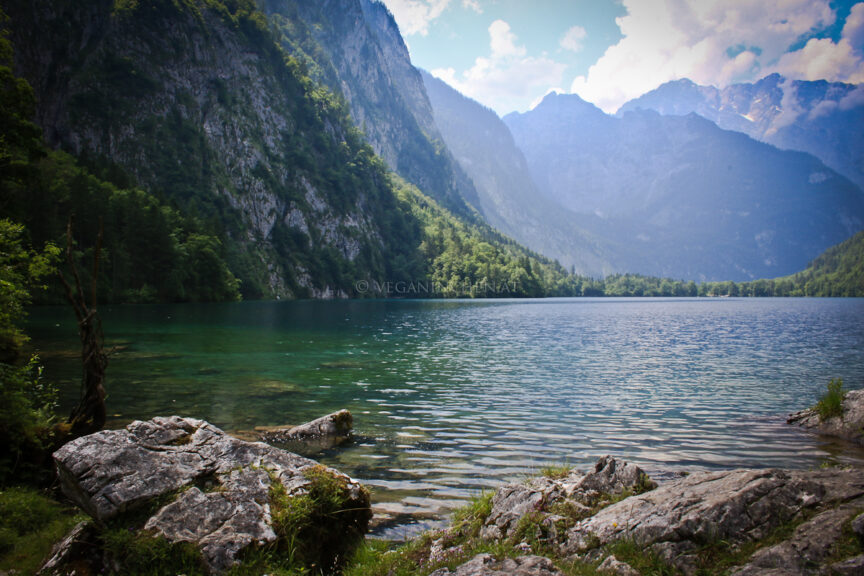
(467, 259)
(151, 251)
(26, 401)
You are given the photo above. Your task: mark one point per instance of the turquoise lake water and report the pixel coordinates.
(452, 397)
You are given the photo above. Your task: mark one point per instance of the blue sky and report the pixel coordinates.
(508, 54)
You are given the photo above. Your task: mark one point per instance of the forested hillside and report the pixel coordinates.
(215, 165)
(839, 271)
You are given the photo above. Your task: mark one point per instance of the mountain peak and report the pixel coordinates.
(567, 104)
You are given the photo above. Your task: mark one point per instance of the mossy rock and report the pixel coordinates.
(185, 495)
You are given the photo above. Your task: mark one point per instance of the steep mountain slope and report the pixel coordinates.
(689, 200)
(821, 118)
(354, 46)
(243, 159)
(509, 200)
(195, 101)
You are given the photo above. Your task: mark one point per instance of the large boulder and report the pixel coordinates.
(205, 487)
(849, 425)
(811, 544)
(577, 493)
(735, 507)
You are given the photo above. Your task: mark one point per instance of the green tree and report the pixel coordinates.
(26, 403)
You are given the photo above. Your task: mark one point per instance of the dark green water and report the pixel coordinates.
(450, 397)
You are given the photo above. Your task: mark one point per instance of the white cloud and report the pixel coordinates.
(503, 41)
(507, 79)
(573, 38)
(823, 59)
(472, 5)
(718, 42)
(415, 16)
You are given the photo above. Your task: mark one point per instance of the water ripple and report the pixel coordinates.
(451, 398)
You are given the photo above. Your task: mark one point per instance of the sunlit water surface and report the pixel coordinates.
(451, 397)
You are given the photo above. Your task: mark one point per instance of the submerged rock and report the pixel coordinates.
(849, 425)
(207, 488)
(321, 433)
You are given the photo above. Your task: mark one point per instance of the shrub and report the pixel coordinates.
(831, 402)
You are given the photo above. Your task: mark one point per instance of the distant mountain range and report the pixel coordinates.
(656, 192)
(822, 118)
(687, 198)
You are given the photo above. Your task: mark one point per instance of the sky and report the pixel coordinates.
(508, 54)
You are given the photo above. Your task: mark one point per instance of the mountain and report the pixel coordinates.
(508, 197)
(204, 148)
(688, 199)
(196, 103)
(355, 48)
(818, 117)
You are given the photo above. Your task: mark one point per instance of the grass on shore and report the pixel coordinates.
(31, 522)
(830, 404)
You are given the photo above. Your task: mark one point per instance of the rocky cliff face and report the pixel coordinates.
(357, 49)
(195, 100)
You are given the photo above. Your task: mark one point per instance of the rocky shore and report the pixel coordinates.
(188, 485)
(186, 482)
(849, 425)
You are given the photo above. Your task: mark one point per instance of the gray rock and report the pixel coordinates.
(849, 567)
(611, 565)
(810, 545)
(485, 565)
(610, 476)
(849, 426)
(513, 501)
(76, 546)
(858, 526)
(225, 502)
(736, 506)
(578, 491)
(328, 431)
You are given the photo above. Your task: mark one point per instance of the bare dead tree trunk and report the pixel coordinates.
(89, 415)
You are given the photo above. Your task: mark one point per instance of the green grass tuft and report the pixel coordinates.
(30, 523)
(555, 472)
(643, 560)
(830, 404)
(144, 554)
(469, 519)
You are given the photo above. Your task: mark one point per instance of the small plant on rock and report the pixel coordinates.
(830, 404)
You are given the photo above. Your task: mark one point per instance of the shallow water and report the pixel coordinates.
(451, 397)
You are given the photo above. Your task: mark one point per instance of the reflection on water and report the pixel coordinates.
(451, 397)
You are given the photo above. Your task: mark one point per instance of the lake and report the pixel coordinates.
(453, 397)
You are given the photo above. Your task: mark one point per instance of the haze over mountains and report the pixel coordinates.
(687, 199)
(821, 118)
(664, 193)
(195, 102)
